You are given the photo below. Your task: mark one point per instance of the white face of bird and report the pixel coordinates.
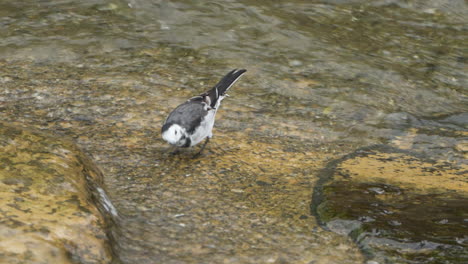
(175, 135)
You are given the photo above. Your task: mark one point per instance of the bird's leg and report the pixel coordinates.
(204, 144)
(203, 147)
(175, 150)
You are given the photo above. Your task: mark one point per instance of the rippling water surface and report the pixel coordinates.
(366, 71)
(333, 75)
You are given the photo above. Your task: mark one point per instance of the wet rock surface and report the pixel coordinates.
(324, 78)
(397, 206)
(48, 214)
(245, 200)
(244, 203)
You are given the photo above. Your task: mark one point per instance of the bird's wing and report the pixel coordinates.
(188, 115)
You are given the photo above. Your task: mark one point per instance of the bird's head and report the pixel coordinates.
(175, 135)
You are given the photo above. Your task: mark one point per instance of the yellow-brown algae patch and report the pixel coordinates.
(46, 208)
(401, 169)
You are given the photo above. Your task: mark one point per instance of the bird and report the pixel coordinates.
(192, 121)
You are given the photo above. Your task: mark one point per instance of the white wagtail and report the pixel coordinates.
(192, 121)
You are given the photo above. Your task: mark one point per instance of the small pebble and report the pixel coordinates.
(295, 63)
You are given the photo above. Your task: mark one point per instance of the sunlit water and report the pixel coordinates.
(332, 75)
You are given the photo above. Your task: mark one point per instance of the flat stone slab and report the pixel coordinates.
(399, 207)
(48, 214)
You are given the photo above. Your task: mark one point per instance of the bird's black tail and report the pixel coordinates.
(221, 88)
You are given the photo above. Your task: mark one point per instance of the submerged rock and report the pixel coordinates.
(398, 207)
(47, 202)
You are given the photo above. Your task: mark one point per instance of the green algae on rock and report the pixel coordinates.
(397, 206)
(46, 201)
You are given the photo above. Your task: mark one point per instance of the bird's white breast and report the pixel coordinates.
(205, 128)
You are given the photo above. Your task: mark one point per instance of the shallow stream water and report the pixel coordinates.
(324, 78)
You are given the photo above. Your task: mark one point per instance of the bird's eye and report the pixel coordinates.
(175, 132)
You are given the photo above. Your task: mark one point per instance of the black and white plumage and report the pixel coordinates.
(191, 122)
